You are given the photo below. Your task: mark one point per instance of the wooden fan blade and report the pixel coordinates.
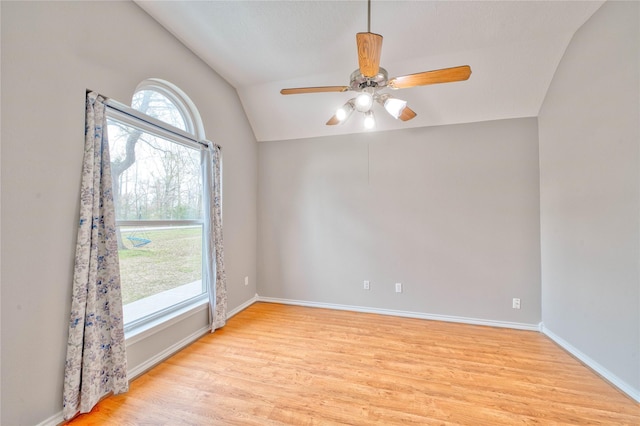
(369, 51)
(333, 121)
(298, 90)
(407, 114)
(446, 75)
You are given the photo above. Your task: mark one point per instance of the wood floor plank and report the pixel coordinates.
(289, 365)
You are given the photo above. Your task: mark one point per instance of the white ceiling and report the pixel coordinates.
(260, 47)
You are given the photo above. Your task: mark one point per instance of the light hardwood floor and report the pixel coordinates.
(277, 364)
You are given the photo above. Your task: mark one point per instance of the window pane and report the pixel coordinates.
(153, 178)
(156, 105)
(159, 267)
(157, 186)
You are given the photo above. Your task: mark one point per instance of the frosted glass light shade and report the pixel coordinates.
(364, 101)
(369, 120)
(395, 106)
(344, 111)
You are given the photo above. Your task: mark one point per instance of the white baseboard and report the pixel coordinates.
(592, 364)
(407, 314)
(54, 420)
(161, 356)
(242, 307)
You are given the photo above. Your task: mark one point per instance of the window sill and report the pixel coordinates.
(164, 302)
(150, 328)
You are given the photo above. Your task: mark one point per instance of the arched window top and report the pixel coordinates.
(166, 102)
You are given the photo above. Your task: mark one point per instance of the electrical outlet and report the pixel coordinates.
(516, 303)
(246, 280)
(366, 285)
(398, 287)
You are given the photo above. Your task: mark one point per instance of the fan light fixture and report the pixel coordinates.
(364, 103)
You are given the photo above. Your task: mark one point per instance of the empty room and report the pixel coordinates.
(320, 212)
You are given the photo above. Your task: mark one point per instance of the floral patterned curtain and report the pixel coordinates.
(216, 275)
(96, 360)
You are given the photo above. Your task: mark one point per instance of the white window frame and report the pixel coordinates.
(193, 138)
(187, 108)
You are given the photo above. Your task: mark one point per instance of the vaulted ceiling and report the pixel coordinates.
(260, 47)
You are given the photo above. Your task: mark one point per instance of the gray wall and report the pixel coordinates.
(589, 135)
(51, 53)
(451, 212)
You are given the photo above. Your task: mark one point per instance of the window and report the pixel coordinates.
(158, 191)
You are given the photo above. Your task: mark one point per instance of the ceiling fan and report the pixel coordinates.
(370, 78)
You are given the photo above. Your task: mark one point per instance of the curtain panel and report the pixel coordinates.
(217, 279)
(96, 363)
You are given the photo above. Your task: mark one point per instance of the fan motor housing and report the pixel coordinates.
(359, 81)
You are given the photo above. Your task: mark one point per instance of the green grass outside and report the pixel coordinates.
(172, 258)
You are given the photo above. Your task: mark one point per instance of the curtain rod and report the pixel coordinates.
(124, 109)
